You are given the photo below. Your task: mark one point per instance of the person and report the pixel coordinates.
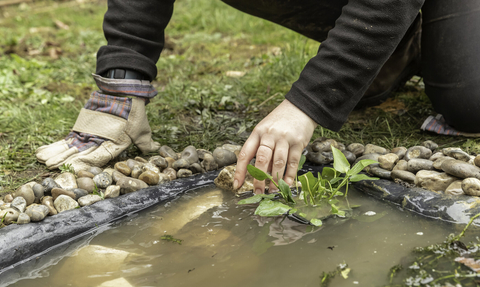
(368, 48)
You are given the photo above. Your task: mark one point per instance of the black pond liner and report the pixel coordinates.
(28, 243)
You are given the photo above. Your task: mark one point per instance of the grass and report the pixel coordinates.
(45, 79)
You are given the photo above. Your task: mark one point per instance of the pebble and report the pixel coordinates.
(169, 161)
(403, 175)
(23, 218)
(128, 184)
(149, 177)
(9, 215)
(79, 192)
(26, 192)
(103, 180)
(209, 163)
(86, 183)
(19, 203)
(159, 161)
(418, 152)
(350, 156)
(460, 169)
(141, 159)
(5, 206)
(182, 173)
(437, 164)
(388, 161)
(150, 167)
(56, 192)
(48, 184)
(356, 148)
(225, 179)
(401, 165)
(89, 199)
(376, 170)
(38, 192)
(131, 163)
(48, 202)
(122, 167)
(433, 180)
(84, 173)
(370, 148)
(417, 164)
(233, 148)
(477, 160)
(224, 157)
(171, 173)
(136, 171)
(196, 168)
(64, 203)
(399, 151)
(116, 175)
(162, 178)
(66, 180)
(328, 155)
(430, 145)
(316, 157)
(37, 212)
(181, 163)
(190, 154)
(436, 156)
(458, 154)
(109, 171)
(94, 170)
(112, 191)
(471, 186)
(8, 198)
(167, 151)
(372, 156)
(455, 188)
(201, 153)
(323, 145)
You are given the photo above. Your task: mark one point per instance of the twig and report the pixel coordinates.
(269, 98)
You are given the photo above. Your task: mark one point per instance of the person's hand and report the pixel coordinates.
(277, 141)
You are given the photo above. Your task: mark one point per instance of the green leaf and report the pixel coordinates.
(285, 191)
(336, 211)
(256, 198)
(257, 173)
(308, 181)
(271, 208)
(340, 162)
(359, 177)
(335, 180)
(328, 173)
(316, 222)
(359, 166)
(303, 158)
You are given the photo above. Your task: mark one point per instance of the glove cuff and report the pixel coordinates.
(125, 87)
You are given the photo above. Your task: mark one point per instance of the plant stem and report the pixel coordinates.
(466, 227)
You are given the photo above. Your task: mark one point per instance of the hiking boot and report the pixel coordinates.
(402, 65)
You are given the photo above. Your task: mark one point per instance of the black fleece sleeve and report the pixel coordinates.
(364, 37)
(134, 30)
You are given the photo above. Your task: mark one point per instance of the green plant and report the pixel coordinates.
(318, 193)
(67, 167)
(170, 238)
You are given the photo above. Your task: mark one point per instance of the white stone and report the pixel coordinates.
(64, 203)
(66, 180)
(433, 180)
(89, 199)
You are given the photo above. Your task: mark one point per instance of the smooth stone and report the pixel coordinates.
(149, 177)
(472, 160)
(128, 185)
(26, 192)
(376, 170)
(224, 157)
(38, 192)
(209, 163)
(433, 180)
(460, 169)
(418, 152)
(437, 164)
(372, 156)
(171, 173)
(233, 148)
(89, 199)
(136, 171)
(109, 171)
(388, 161)
(84, 173)
(169, 161)
(436, 156)
(31, 183)
(167, 151)
(430, 145)
(116, 175)
(37, 212)
(162, 178)
(48, 184)
(94, 170)
(19, 203)
(416, 164)
(8, 198)
(340, 146)
(351, 157)
(446, 151)
(356, 148)
(131, 163)
(23, 218)
(455, 188)
(190, 154)
(370, 148)
(323, 145)
(316, 157)
(86, 183)
(150, 167)
(401, 165)
(201, 153)
(122, 167)
(328, 155)
(159, 161)
(103, 180)
(141, 159)
(403, 175)
(196, 168)
(399, 151)
(5, 206)
(182, 173)
(48, 202)
(181, 163)
(66, 180)
(477, 160)
(9, 215)
(112, 191)
(225, 180)
(79, 192)
(458, 154)
(56, 192)
(64, 203)
(471, 186)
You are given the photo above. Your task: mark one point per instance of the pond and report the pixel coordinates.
(204, 239)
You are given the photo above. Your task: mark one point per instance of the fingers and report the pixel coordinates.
(294, 155)
(279, 161)
(244, 157)
(263, 160)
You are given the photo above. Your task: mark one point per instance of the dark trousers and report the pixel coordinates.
(450, 43)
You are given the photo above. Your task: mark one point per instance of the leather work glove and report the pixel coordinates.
(105, 127)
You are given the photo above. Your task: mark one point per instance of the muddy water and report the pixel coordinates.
(223, 244)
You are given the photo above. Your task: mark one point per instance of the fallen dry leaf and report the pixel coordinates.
(469, 262)
(392, 106)
(61, 25)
